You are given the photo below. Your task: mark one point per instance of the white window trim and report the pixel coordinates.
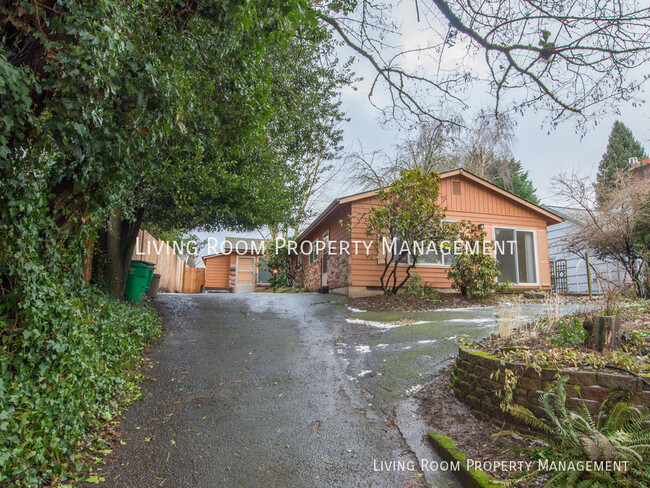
(523, 229)
(420, 264)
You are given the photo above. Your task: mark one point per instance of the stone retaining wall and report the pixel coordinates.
(476, 382)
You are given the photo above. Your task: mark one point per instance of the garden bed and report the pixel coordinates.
(481, 433)
(419, 302)
(557, 342)
(415, 302)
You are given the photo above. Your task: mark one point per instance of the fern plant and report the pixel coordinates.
(619, 432)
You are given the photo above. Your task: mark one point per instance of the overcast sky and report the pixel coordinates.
(542, 153)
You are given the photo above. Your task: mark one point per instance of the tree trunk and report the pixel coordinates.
(119, 243)
(603, 333)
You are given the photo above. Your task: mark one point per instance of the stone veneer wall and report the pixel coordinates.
(337, 272)
(475, 383)
(310, 275)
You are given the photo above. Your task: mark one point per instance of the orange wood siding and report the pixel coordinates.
(221, 270)
(217, 271)
(476, 203)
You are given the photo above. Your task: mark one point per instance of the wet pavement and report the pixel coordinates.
(289, 390)
(248, 391)
(390, 354)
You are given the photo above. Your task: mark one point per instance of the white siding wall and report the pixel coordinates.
(576, 267)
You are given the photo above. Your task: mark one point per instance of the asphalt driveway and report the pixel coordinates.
(248, 391)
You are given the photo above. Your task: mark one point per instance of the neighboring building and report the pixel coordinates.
(640, 171)
(466, 197)
(569, 269)
(236, 268)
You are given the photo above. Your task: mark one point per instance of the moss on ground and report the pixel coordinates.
(483, 354)
(451, 451)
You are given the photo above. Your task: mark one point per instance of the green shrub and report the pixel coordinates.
(473, 273)
(60, 373)
(619, 432)
(570, 332)
(282, 265)
(418, 286)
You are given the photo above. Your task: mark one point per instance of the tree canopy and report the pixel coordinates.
(621, 146)
(196, 114)
(510, 175)
(568, 60)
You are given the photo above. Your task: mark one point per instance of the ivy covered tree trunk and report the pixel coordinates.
(116, 245)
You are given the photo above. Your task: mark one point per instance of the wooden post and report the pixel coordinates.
(588, 274)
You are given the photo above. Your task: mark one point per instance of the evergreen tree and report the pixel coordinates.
(621, 147)
(510, 175)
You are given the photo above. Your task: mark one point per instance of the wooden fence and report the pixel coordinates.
(175, 275)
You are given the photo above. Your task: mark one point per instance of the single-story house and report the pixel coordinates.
(568, 269)
(505, 217)
(237, 268)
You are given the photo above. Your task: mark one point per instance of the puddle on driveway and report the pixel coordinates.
(387, 360)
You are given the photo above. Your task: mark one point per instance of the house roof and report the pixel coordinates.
(566, 213)
(550, 216)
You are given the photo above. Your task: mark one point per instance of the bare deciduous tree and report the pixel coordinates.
(431, 150)
(370, 170)
(484, 148)
(606, 229)
(489, 145)
(565, 58)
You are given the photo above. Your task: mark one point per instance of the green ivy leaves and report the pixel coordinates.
(61, 374)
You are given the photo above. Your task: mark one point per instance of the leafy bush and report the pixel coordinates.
(281, 263)
(418, 286)
(59, 377)
(619, 432)
(569, 332)
(473, 272)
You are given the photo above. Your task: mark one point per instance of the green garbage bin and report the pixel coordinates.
(138, 280)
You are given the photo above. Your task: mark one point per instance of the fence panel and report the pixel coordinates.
(193, 280)
(169, 265)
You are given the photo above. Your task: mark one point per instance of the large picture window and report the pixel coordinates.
(517, 255)
(435, 256)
